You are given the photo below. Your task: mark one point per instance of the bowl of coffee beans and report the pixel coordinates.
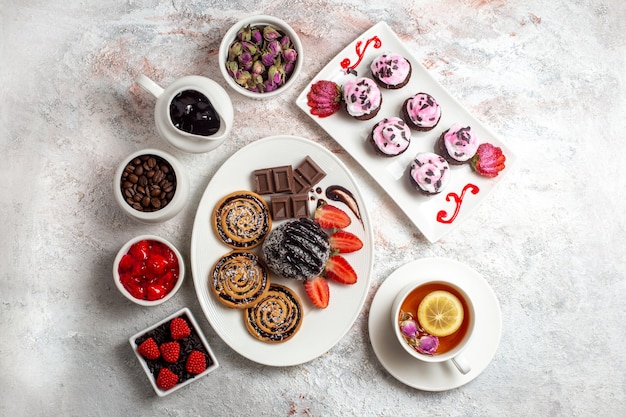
(151, 186)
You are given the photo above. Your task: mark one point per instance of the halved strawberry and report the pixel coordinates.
(344, 242)
(338, 269)
(166, 379)
(179, 328)
(149, 349)
(318, 291)
(331, 217)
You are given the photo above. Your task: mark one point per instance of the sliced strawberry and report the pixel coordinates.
(166, 379)
(318, 291)
(149, 349)
(331, 217)
(324, 98)
(170, 351)
(179, 328)
(338, 269)
(344, 242)
(196, 362)
(488, 161)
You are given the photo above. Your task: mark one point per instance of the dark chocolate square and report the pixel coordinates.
(283, 179)
(300, 206)
(263, 181)
(310, 171)
(281, 207)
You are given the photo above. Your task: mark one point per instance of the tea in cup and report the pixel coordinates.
(193, 114)
(434, 320)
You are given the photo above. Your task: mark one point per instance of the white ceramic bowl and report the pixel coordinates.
(124, 250)
(196, 335)
(177, 202)
(230, 37)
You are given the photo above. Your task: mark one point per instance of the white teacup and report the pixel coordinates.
(462, 339)
(181, 139)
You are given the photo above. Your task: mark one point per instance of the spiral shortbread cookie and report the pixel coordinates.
(276, 317)
(242, 219)
(238, 279)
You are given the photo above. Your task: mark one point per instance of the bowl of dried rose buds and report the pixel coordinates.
(260, 56)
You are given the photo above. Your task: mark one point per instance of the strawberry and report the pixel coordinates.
(338, 269)
(318, 291)
(170, 351)
(149, 349)
(344, 242)
(155, 292)
(324, 98)
(156, 264)
(331, 217)
(488, 161)
(179, 328)
(126, 263)
(140, 250)
(166, 379)
(196, 362)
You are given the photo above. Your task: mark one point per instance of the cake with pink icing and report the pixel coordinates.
(362, 98)
(458, 144)
(429, 173)
(390, 136)
(391, 70)
(421, 112)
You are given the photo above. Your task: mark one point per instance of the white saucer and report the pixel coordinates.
(435, 376)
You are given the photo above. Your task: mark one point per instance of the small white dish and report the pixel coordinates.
(435, 215)
(435, 376)
(175, 205)
(196, 337)
(178, 138)
(124, 250)
(264, 20)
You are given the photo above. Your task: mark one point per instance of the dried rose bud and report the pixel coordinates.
(234, 51)
(267, 58)
(256, 36)
(427, 344)
(274, 47)
(290, 55)
(244, 34)
(270, 34)
(408, 328)
(285, 42)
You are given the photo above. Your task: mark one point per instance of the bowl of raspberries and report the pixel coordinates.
(174, 352)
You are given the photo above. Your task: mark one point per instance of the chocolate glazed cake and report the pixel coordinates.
(297, 249)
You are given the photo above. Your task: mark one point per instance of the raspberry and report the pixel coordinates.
(196, 362)
(170, 351)
(149, 349)
(179, 328)
(166, 379)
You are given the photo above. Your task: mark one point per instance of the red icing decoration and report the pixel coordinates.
(345, 64)
(458, 200)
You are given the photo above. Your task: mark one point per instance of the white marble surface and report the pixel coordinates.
(547, 76)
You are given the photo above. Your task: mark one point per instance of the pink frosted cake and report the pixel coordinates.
(391, 136)
(457, 144)
(391, 70)
(429, 172)
(421, 112)
(362, 98)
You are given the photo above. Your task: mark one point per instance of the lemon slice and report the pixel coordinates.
(440, 313)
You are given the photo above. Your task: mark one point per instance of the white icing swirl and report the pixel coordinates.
(391, 136)
(390, 68)
(430, 172)
(362, 96)
(423, 110)
(460, 142)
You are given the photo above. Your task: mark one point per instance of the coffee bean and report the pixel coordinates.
(148, 183)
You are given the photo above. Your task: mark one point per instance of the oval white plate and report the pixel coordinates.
(435, 376)
(321, 328)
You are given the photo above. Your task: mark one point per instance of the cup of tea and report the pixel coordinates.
(193, 114)
(434, 321)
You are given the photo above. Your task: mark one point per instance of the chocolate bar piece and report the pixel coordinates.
(263, 181)
(283, 179)
(310, 172)
(290, 206)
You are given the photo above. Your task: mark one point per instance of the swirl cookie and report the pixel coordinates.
(276, 317)
(242, 219)
(238, 279)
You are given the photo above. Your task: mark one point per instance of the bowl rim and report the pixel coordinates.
(173, 207)
(260, 19)
(124, 249)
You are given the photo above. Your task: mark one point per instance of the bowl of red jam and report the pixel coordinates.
(148, 270)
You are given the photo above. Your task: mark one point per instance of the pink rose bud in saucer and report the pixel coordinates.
(408, 328)
(427, 344)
